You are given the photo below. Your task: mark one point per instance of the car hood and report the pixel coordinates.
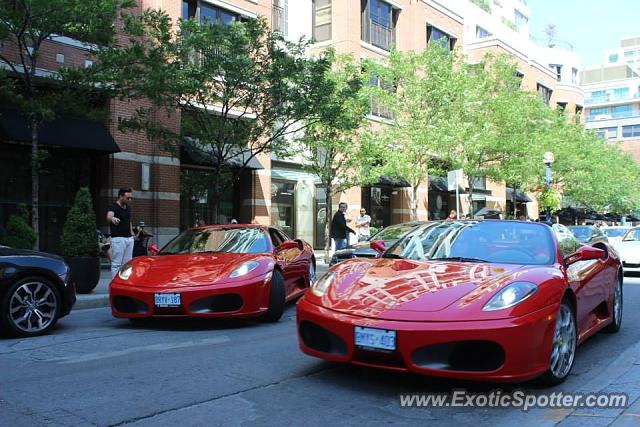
(629, 251)
(398, 289)
(170, 271)
(10, 252)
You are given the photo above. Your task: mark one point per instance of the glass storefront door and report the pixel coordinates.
(377, 202)
(282, 206)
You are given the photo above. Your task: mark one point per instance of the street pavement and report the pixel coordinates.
(97, 370)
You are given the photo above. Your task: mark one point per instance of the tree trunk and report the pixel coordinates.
(35, 181)
(414, 202)
(471, 212)
(327, 224)
(215, 196)
(513, 201)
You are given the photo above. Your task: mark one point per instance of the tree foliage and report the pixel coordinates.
(79, 238)
(19, 234)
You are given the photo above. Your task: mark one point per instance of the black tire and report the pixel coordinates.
(614, 326)
(276, 298)
(556, 374)
(30, 307)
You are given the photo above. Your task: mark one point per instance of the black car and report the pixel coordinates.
(34, 291)
(588, 234)
(388, 235)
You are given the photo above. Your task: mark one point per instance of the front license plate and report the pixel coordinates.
(167, 300)
(377, 339)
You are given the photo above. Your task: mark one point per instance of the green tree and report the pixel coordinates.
(333, 147)
(79, 233)
(420, 90)
(25, 27)
(240, 89)
(18, 233)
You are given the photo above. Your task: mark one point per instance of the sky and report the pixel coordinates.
(591, 26)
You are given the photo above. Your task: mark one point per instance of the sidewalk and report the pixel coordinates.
(100, 295)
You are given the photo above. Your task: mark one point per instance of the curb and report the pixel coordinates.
(84, 302)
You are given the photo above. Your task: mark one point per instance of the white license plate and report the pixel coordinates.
(378, 339)
(167, 300)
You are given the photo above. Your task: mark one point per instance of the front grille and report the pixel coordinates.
(475, 356)
(125, 304)
(217, 304)
(321, 339)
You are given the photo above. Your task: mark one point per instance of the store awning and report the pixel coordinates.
(521, 196)
(192, 154)
(67, 132)
(391, 182)
(439, 184)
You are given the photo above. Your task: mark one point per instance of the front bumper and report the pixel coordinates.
(240, 299)
(509, 350)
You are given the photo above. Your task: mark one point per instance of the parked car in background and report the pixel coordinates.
(615, 234)
(629, 250)
(388, 235)
(34, 291)
(588, 234)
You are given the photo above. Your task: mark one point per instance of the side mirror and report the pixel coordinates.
(378, 246)
(153, 250)
(289, 244)
(300, 244)
(583, 254)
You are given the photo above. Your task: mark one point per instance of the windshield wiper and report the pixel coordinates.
(459, 259)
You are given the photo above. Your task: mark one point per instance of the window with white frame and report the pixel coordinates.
(436, 35)
(481, 33)
(557, 68)
(321, 20)
(608, 133)
(631, 131)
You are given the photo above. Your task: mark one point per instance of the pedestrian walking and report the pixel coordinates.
(339, 228)
(119, 219)
(363, 223)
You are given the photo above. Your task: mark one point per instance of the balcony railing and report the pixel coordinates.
(379, 110)
(611, 98)
(611, 116)
(380, 35)
(277, 20)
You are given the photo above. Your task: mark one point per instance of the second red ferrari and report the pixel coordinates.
(216, 271)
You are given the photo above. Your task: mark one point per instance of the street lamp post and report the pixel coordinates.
(548, 159)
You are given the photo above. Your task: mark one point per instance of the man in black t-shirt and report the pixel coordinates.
(339, 229)
(119, 219)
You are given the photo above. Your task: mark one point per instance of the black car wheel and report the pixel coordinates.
(31, 307)
(276, 298)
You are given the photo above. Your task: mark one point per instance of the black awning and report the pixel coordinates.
(387, 181)
(68, 132)
(440, 184)
(194, 155)
(521, 196)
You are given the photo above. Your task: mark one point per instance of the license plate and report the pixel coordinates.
(167, 300)
(377, 339)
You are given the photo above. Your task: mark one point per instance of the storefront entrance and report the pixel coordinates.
(377, 202)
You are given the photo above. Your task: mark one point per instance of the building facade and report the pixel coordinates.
(612, 104)
(272, 190)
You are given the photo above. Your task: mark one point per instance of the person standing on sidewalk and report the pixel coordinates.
(363, 223)
(339, 228)
(119, 219)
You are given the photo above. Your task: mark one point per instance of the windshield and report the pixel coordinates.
(581, 232)
(212, 240)
(508, 242)
(394, 232)
(632, 235)
(615, 232)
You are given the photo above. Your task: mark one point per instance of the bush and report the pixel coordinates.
(79, 235)
(19, 233)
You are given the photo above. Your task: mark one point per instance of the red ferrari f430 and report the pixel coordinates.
(482, 300)
(215, 271)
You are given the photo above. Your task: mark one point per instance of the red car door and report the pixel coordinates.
(285, 252)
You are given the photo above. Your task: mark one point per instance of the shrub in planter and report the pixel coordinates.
(80, 243)
(19, 233)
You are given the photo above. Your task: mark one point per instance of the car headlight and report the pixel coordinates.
(245, 268)
(125, 271)
(322, 284)
(513, 294)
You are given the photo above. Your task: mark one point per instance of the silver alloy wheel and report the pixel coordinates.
(312, 273)
(564, 343)
(617, 303)
(33, 307)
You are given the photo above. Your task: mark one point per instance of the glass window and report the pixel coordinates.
(216, 240)
(574, 75)
(613, 58)
(321, 20)
(435, 35)
(633, 234)
(214, 15)
(189, 9)
(557, 68)
(481, 33)
(620, 111)
(507, 242)
(392, 233)
(380, 13)
(629, 53)
(520, 19)
(630, 131)
(621, 93)
(545, 93)
(598, 96)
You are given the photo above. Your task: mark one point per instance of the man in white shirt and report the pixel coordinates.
(362, 225)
